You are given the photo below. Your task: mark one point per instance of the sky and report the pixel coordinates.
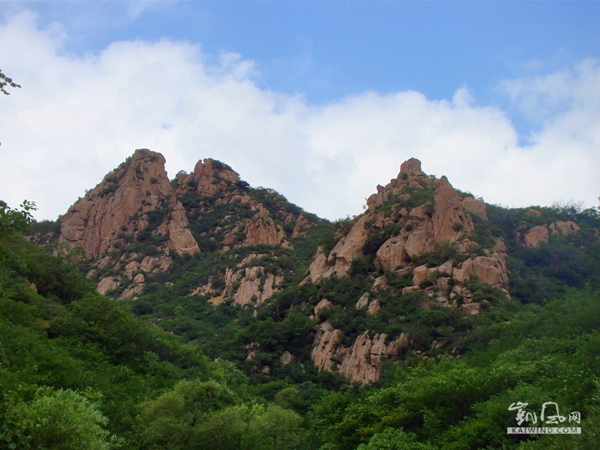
(319, 100)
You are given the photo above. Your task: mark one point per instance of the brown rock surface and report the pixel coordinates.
(363, 301)
(419, 275)
(264, 231)
(399, 347)
(251, 285)
(324, 347)
(536, 236)
(362, 362)
(374, 308)
(107, 284)
(475, 206)
(210, 177)
(392, 254)
(120, 203)
(341, 255)
(286, 358)
(154, 264)
(489, 269)
(448, 213)
(564, 227)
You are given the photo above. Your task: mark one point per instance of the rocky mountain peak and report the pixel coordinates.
(418, 231)
(209, 178)
(410, 167)
(133, 203)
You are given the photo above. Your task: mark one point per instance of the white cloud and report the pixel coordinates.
(76, 118)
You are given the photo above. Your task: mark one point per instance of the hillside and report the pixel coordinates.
(417, 322)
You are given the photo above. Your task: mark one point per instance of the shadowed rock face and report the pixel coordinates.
(124, 203)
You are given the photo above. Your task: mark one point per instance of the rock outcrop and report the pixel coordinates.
(339, 259)
(132, 199)
(325, 346)
(422, 216)
(210, 177)
(133, 203)
(360, 362)
(246, 284)
(420, 229)
(536, 236)
(137, 204)
(540, 234)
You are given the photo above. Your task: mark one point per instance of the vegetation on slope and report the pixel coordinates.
(76, 366)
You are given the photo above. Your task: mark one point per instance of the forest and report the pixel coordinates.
(167, 370)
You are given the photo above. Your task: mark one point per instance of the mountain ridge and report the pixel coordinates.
(419, 241)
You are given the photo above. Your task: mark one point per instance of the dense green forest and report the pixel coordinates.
(170, 371)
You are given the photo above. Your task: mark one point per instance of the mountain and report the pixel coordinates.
(209, 238)
(136, 222)
(232, 318)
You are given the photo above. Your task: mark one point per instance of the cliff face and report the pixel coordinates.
(132, 198)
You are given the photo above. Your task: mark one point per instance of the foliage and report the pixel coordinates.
(182, 372)
(6, 81)
(15, 220)
(442, 252)
(46, 226)
(64, 419)
(393, 439)
(464, 403)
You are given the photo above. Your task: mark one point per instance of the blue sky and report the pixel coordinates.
(512, 79)
(328, 49)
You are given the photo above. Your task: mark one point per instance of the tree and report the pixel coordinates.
(12, 220)
(6, 81)
(64, 419)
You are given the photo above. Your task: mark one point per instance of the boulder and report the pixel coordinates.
(489, 269)
(536, 236)
(392, 254)
(564, 228)
(363, 301)
(107, 284)
(374, 308)
(286, 358)
(419, 275)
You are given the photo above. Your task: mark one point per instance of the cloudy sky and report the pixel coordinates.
(321, 101)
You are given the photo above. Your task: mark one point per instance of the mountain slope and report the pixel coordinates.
(403, 281)
(445, 311)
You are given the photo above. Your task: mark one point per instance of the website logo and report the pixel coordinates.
(549, 415)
